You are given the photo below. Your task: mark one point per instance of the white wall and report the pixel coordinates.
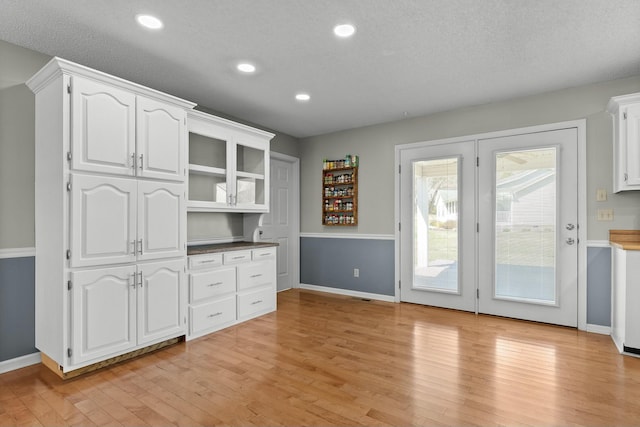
(375, 146)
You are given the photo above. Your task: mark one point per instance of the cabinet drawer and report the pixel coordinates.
(236, 257)
(253, 303)
(265, 253)
(210, 283)
(212, 315)
(255, 274)
(205, 261)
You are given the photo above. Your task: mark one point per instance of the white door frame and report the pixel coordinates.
(295, 223)
(580, 125)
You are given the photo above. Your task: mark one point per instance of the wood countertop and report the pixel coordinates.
(625, 239)
(226, 247)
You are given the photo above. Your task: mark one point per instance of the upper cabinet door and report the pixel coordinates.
(250, 174)
(102, 128)
(162, 220)
(103, 220)
(632, 122)
(161, 133)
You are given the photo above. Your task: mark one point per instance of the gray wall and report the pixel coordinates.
(17, 307)
(599, 286)
(375, 146)
(17, 142)
(330, 263)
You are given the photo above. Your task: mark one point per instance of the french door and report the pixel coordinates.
(439, 226)
(491, 225)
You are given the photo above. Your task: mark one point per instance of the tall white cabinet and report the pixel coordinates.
(110, 215)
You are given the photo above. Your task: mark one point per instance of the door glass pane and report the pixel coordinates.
(435, 213)
(525, 224)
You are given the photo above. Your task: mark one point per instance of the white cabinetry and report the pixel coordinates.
(625, 322)
(117, 132)
(226, 288)
(625, 110)
(118, 308)
(110, 215)
(228, 165)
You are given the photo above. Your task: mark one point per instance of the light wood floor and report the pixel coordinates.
(331, 360)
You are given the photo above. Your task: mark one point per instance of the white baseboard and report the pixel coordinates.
(597, 329)
(20, 362)
(357, 294)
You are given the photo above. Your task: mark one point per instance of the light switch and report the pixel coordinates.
(601, 195)
(605, 215)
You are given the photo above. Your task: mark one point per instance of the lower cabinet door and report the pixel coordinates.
(161, 300)
(103, 314)
(212, 315)
(255, 303)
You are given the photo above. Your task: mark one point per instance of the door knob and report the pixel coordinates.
(570, 241)
(570, 227)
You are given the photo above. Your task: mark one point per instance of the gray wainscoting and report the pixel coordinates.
(599, 286)
(17, 307)
(330, 262)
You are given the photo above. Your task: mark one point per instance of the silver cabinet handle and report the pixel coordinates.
(140, 247)
(141, 281)
(141, 161)
(133, 162)
(253, 276)
(134, 247)
(214, 314)
(256, 302)
(133, 280)
(214, 284)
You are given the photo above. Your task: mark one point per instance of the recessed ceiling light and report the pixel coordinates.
(246, 67)
(149, 21)
(303, 96)
(344, 30)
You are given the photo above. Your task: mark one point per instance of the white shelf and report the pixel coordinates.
(206, 170)
(240, 174)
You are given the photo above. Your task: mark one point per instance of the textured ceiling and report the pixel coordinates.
(408, 58)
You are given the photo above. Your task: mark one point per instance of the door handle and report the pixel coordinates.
(570, 227)
(570, 241)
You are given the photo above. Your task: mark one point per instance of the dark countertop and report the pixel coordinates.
(226, 247)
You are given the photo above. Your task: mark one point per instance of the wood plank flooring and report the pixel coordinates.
(325, 360)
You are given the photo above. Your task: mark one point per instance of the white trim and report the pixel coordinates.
(349, 236)
(357, 294)
(598, 244)
(17, 252)
(20, 362)
(599, 329)
(580, 125)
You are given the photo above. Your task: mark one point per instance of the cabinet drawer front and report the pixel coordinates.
(237, 257)
(212, 315)
(205, 261)
(253, 303)
(207, 284)
(266, 253)
(255, 274)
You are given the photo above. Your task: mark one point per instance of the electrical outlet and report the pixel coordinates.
(605, 215)
(601, 195)
(356, 272)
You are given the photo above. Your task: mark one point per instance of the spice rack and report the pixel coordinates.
(340, 192)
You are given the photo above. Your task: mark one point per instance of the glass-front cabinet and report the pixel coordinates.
(228, 165)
